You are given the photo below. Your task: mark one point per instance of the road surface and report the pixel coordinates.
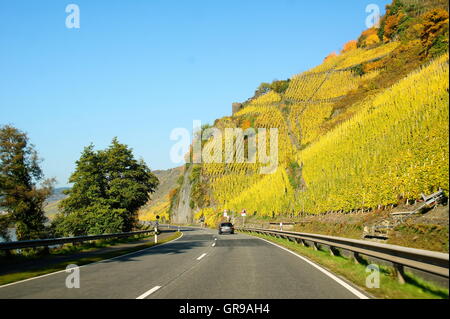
(199, 265)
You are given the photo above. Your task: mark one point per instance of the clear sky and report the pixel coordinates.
(137, 69)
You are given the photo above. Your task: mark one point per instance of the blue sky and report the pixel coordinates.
(136, 69)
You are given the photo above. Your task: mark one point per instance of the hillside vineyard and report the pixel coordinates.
(394, 146)
(366, 129)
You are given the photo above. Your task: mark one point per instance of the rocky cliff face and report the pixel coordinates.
(236, 107)
(182, 214)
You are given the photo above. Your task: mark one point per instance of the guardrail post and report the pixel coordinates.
(357, 258)
(334, 251)
(399, 272)
(315, 246)
(46, 250)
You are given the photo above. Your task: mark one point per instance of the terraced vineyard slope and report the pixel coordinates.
(365, 129)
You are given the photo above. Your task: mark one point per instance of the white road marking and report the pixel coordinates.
(201, 256)
(326, 272)
(148, 293)
(97, 262)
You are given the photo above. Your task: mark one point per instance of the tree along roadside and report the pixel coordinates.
(109, 186)
(21, 198)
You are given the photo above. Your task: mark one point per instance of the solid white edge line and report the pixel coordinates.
(326, 272)
(148, 293)
(201, 256)
(96, 262)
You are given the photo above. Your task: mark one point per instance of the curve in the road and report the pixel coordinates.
(200, 265)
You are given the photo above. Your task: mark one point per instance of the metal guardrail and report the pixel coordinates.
(428, 201)
(67, 240)
(428, 261)
(433, 198)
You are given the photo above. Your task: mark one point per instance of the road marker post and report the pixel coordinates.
(156, 229)
(243, 214)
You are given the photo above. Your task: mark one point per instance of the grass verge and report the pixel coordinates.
(10, 278)
(390, 288)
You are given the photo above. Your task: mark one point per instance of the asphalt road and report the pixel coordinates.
(199, 265)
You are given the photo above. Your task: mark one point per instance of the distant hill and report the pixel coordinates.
(57, 194)
(160, 202)
(51, 206)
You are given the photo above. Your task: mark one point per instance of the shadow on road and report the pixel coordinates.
(177, 247)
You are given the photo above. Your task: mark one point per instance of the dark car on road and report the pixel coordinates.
(226, 228)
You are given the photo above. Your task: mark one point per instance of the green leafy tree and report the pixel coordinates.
(96, 219)
(263, 88)
(4, 224)
(89, 184)
(109, 186)
(20, 196)
(129, 181)
(280, 86)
